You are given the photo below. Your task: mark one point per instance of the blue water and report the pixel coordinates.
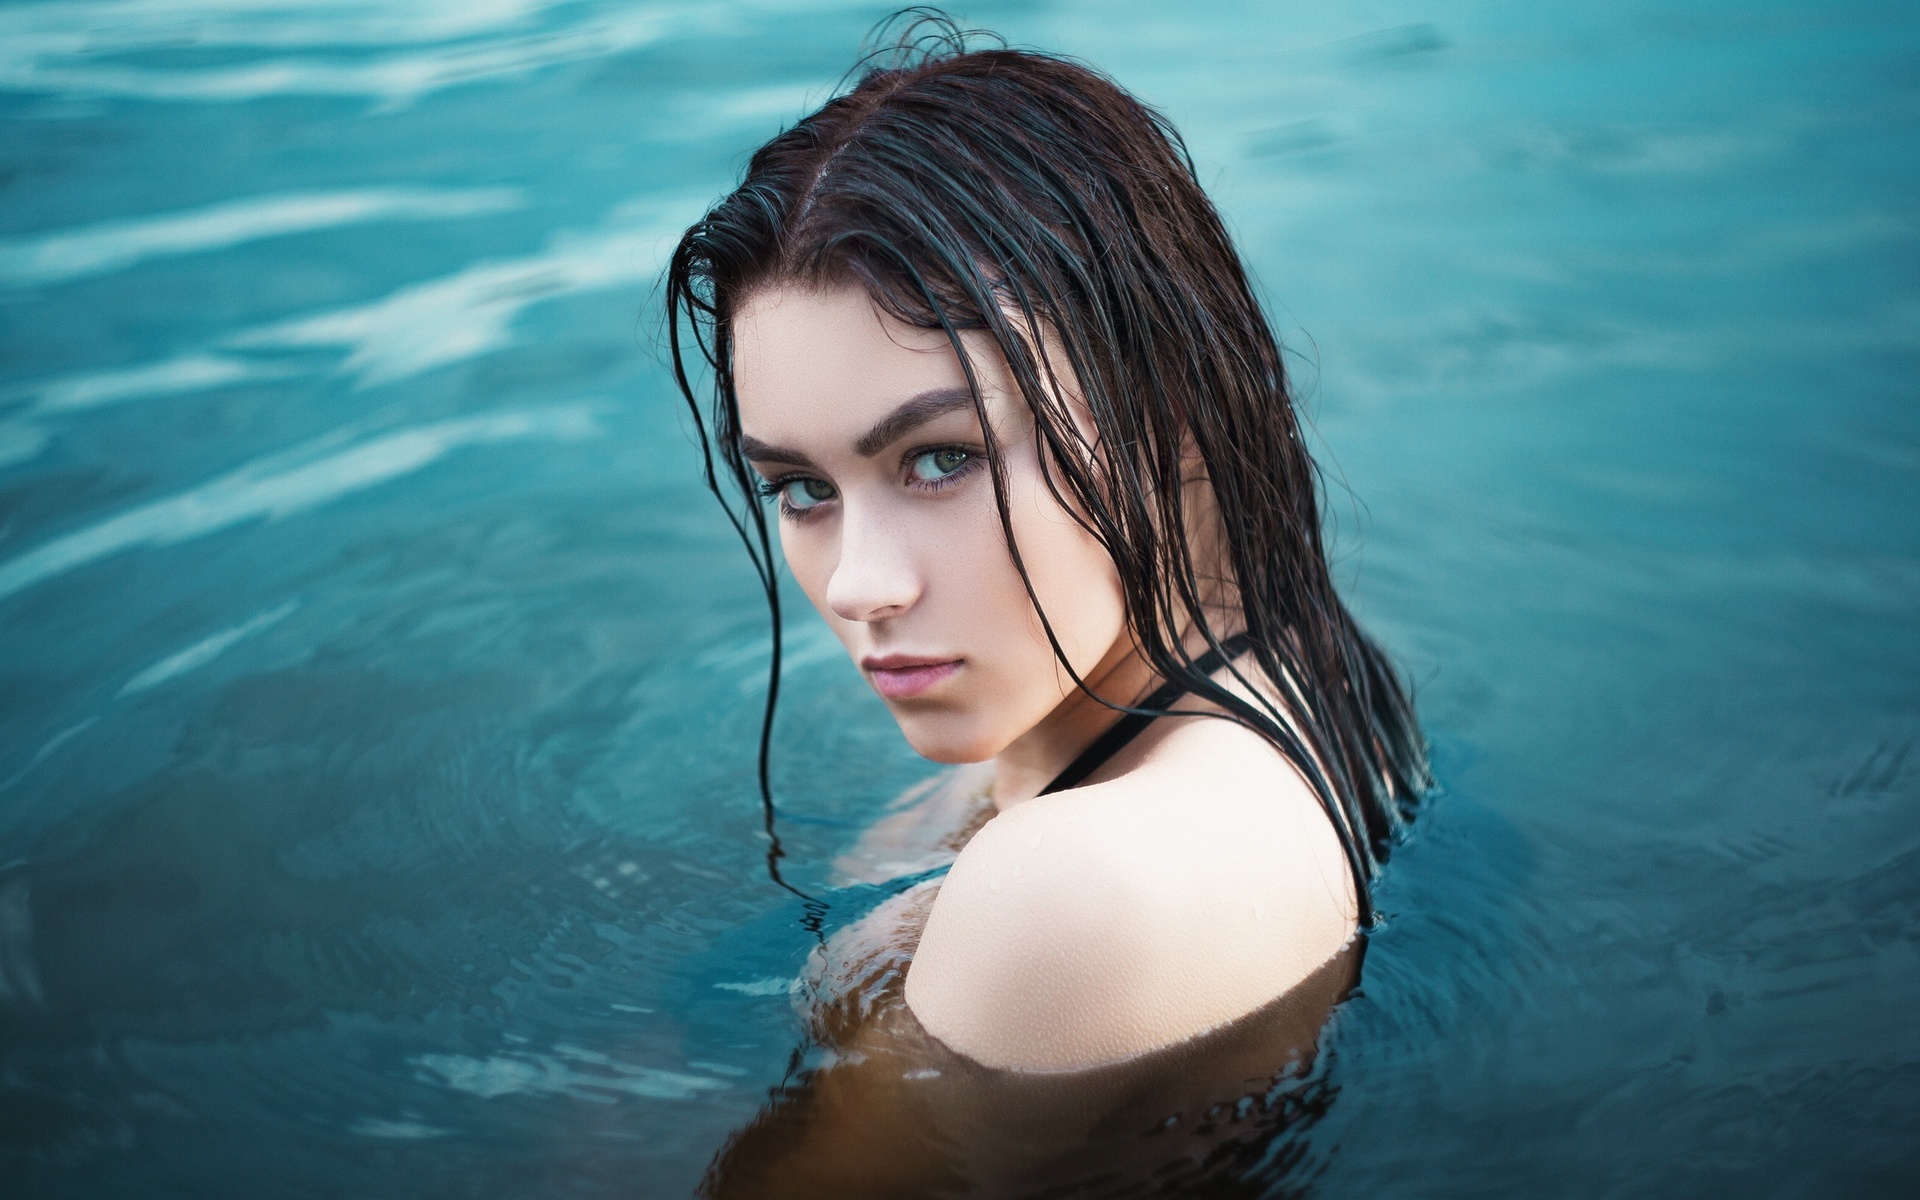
(378, 688)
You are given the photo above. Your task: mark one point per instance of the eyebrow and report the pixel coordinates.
(910, 415)
(755, 450)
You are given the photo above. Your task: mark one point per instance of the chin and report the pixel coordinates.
(948, 737)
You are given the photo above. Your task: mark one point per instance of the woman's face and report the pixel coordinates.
(865, 431)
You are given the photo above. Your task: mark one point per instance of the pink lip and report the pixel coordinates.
(904, 676)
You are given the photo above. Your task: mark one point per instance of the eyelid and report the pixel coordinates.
(788, 476)
(775, 489)
(976, 459)
(906, 459)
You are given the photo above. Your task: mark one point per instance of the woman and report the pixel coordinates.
(977, 331)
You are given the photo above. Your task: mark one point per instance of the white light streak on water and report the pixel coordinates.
(205, 650)
(116, 245)
(772, 985)
(276, 487)
(556, 1074)
(38, 32)
(471, 312)
(419, 327)
(172, 376)
(49, 748)
(80, 50)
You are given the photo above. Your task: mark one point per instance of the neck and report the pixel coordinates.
(1032, 760)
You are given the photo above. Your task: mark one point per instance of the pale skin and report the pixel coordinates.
(1192, 879)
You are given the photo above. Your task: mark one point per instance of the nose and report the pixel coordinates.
(875, 578)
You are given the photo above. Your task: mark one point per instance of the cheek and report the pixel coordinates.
(1077, 587)
(1073, 579)
(810, 553)
(975, 584)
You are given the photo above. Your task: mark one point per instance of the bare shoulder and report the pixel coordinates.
(1108, 921)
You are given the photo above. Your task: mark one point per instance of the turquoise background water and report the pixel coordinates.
(378, 688)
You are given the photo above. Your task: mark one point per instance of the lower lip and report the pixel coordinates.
(904, 683)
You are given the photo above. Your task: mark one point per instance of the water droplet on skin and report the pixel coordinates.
(1037, 839)
(993, 885)
(1019, 870)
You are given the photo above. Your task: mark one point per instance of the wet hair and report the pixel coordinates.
(1029, 197)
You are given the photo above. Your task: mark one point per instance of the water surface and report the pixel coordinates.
(377, 687)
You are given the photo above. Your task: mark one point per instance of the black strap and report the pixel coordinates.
(1130, 724)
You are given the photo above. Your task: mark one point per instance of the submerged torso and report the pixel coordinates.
(884, 1109)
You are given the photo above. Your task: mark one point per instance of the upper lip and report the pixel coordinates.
(904, 662)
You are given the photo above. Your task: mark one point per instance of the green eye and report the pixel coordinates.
(936, 465)
(801, 494)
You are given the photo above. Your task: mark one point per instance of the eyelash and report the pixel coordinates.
(776, 488)
(975, 458)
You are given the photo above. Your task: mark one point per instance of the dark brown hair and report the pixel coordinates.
(1030, 197)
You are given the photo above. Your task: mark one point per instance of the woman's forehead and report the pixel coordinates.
(832, 331)
(828, 363)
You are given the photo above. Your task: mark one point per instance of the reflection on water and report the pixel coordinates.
(378, 688)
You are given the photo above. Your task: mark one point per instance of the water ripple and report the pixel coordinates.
(472, 311)
(72, 49)
(423, 325)
(205, 650)
(56, 31)
(183, 373)
(272, 488)
(116, 245)
(570, 1071)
